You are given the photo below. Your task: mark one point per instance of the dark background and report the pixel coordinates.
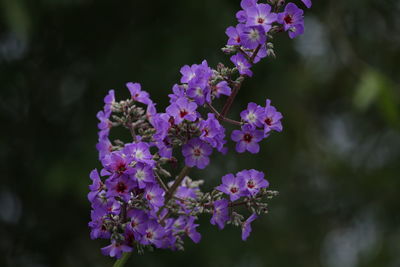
(336, 164)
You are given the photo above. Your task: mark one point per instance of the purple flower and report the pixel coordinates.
(252, 181)
(196, 153)
(115, 249)
(137, 94)
(155, 196)
(246, 226)
(105, 124)
(120, 187)
(139, 152)
(109, 100)
(143, 175)
(199, 94)
(220, 213)
(115, 164)
(104, 147)
(96, 187)
(138, 218)
(261, 15)
(292, 20)
(152, 233)
(222, 88)
(307, 3)
(247, 139)
(242, 64)
(234, 34)
(253, 114)
(271, 119)
(253, 36)
(231, 186)
(181, 110)
(97, 227)
(178, 92)
(245, 4)
(190, 230)
(212, 132)
(196, 75)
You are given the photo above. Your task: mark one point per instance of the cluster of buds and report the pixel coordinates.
(139, 200)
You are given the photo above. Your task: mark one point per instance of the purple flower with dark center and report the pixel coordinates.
(143, 175)
(155, 196)
(292, 20)
(182, 109)
(222, 88)
(137, 94)
(252, 181)
(242, 64)
(246, 226)
(196, 153)
(113, 206)
(139, 152)
(253, 114)
(253, 36)
(138, 218)
(308, 3)
(115, 164)
(115, 249)
(190, 230)
(96, 187)
(220, 213)
(271, 119)
(152, 233)
(231, 186)
(234, 34)
(120, 187)
(260, 15)
(247, 139)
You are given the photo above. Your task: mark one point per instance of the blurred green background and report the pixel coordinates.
(336, 164)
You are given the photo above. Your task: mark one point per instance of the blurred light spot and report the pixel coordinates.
(12, 48)
(345, 247)
(316, 50)
(10, 207)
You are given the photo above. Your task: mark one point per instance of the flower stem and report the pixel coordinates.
(121, 261)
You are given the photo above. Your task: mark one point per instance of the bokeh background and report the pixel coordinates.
(336, 165)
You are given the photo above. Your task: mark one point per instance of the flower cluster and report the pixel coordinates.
(136, 202)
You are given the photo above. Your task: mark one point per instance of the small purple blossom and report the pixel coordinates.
(190, 230)
(220, 213)
(155, 196)
(247, 139)
(221, 88)
(152, 233)
(137, 94)
(143, 175)
(115, 249)
(253, 36)
(246, 226)
(196, 153)
(96, 187)
(120, 187)
(260, 15)
(242, 64)
(231, 186)
(253, 115)
(271, 118)
(252, 181)
(307, 3)
(292, 20)
(182, 109)
(234, 34)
